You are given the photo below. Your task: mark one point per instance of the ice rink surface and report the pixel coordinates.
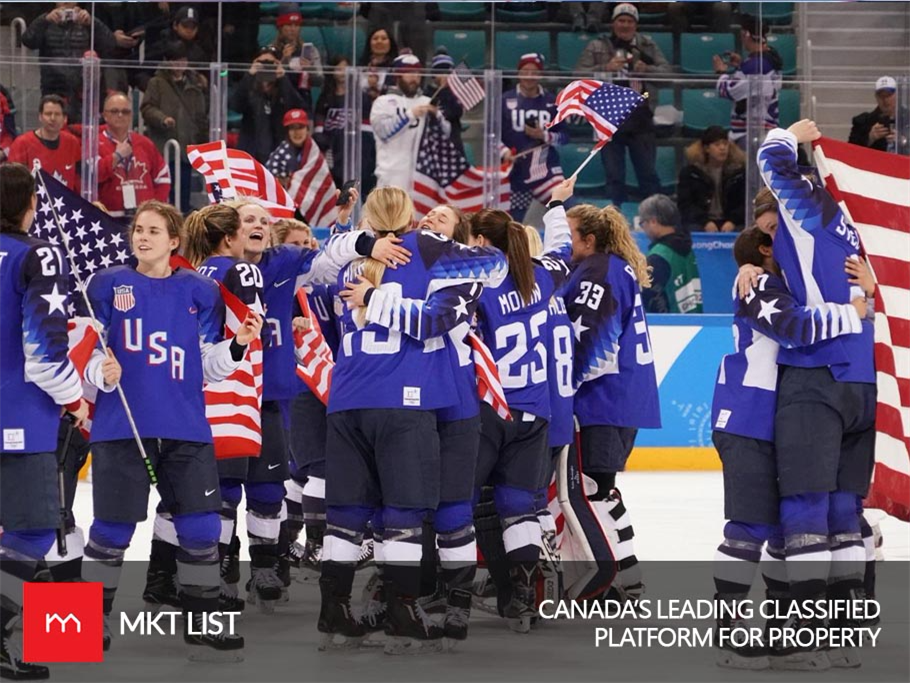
(677, 516)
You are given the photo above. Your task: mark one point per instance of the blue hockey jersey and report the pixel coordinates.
(240, 278)
(745, 396)
(517, 110)
(813, 241)
(560, 351)
(517, 334)
(322, 302)
(36, 377)
(167, 334)
(379, 367)
(614, 366)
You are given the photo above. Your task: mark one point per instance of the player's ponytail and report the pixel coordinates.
(17, 187)
(387, 211)
(621, 243)
(206, 229)
(498, 228)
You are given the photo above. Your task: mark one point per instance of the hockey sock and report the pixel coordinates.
(520, 528)
(19, 555)
(263, 521)
(606, 482)
(197, 560)
(869, 548)
(228, 543)
(293, 495)
(402, 548)
(488, 530)
(457, 542)
(64, 568)
(345, 527)
(804, 520)
(774, 567)
(848, 556)
(737, 557)
(163, 556)
(429, 564)
(107, 544)
(313, 505)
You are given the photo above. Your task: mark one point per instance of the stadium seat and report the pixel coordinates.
(785, 44)
(462, 11)
(505, 13)
(510, 45)
(630, 211)
(664, 96)
(569, 46)
(697, 49)
(312, 9)
(665, 42)
(592, 179)
(470, 46)
(665, 166)
(789, 107)
(337, 10)
(703, 108)
(269, 7)
(771, 12)
(267, 33)
(313, 34)
(338, 40)
(469, 153)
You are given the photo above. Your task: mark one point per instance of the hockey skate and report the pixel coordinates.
(847, 657)
(229, 599)
(264, 589)
(796, 658)
(375, 615)
(161, 590)
(731, 656)
(11, 665)
(365, 559)
(106, 634)
(458, 614)
(337, 626)
(410, 630)
(523, 605)
(309, 560)
(224, 647)
(485, 596)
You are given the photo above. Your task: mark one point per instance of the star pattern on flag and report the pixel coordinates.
(442, 162)
(94, 239)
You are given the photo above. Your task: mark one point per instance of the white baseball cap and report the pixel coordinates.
(626, 8)
(885, 83)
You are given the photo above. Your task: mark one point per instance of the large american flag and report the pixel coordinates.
(444, 175)
(489, 385)
(873, 189)
(604, 105)
(230, 173)
(465, 87)
(312, 187)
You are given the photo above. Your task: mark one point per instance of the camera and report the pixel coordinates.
(69, 15)
(531, 121)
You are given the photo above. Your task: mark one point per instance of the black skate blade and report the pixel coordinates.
(801, 661)
(519, 624)
(845, 658)
(327, 642)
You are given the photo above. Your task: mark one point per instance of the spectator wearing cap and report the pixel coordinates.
(62, 37)
(59, 151)
(628, 57)
(301, 60)
(175, 107)
(263, 97)
(712, 185)
(526, 111)
(875, 129)
(440, 67)
(286, 157)
(733, 84)
(186, 29)
(398, 119)
(675, 281)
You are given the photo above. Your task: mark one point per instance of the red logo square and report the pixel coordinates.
(62, 622)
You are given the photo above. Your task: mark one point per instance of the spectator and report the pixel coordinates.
(712, 185)
(175, 107)
(875, 128)
(131, 170)
(8, 130)
(526, 111)
(66, 33)
(733, 84)
(411, 20)
(263, 97)
(626, 53)
(185, 30)
(441, 66)
(59, 152)
(301, 60)
(379, 54)
(286, 157)
(675, 282)
(398, 119)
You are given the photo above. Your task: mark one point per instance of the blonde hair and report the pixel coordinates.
(535, 244)
(285, 226)
(206, 230)
(612, 234)
(387, 211)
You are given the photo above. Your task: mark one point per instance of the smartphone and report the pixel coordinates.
(345, 195)
(531, 121)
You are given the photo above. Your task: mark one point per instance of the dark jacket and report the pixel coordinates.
(186, 101)
(696, 188)
(862, 124)
(262, 129)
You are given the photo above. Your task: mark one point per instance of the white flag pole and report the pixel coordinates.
(584, 163)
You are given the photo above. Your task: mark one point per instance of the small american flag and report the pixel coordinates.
(313, 188)
(465, 87)
(230, 173)
(489, 386)
(335, 119)
(314, 357)
(873, 189)
(604, 105)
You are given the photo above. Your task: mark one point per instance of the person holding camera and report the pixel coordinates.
(263, 97)
(875, 129)
(66, 33)
(301, 59)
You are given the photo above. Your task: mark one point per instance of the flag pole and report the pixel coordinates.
(588, 160)
(530, 150)
(80, 285)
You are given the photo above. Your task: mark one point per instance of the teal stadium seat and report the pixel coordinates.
(314, 10)
(703, 108)
(338, 41)
(592, 179)
(665, 166)
(462, 11)
(569, 46)
(267, 33)
(630, 211)
(505, 13)
(337, 10)
(771, 12)
(313, 34)
(469, 45)
(269, 7)
(665, 42)
(789, 107)
(469, 153)
(785, 44)
(697, 49)
(510, 45)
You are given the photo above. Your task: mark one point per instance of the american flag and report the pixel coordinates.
(444, 176)
(465, 87)
(314, 357)
(873, 189)
(230, 173)
(313, 188)
(489, 386)
(538, 170)
(604, 105)
(335, 119)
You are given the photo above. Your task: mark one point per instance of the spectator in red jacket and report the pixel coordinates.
(59, 152)
(131, 170)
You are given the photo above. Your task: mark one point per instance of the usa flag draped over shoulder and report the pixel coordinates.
(604, 105)
(314, 357)
(313, 188)
(489, 385)
(444, 175)
(873, 189)
(230, 173)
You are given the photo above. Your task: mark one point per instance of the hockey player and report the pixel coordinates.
(398, 119)
(382, 437)
(613, 373)
(745, 399)
(526, 112)
(165, 326)
(513, 321)
(38, 380)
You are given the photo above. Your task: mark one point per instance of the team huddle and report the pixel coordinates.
(412, 458)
